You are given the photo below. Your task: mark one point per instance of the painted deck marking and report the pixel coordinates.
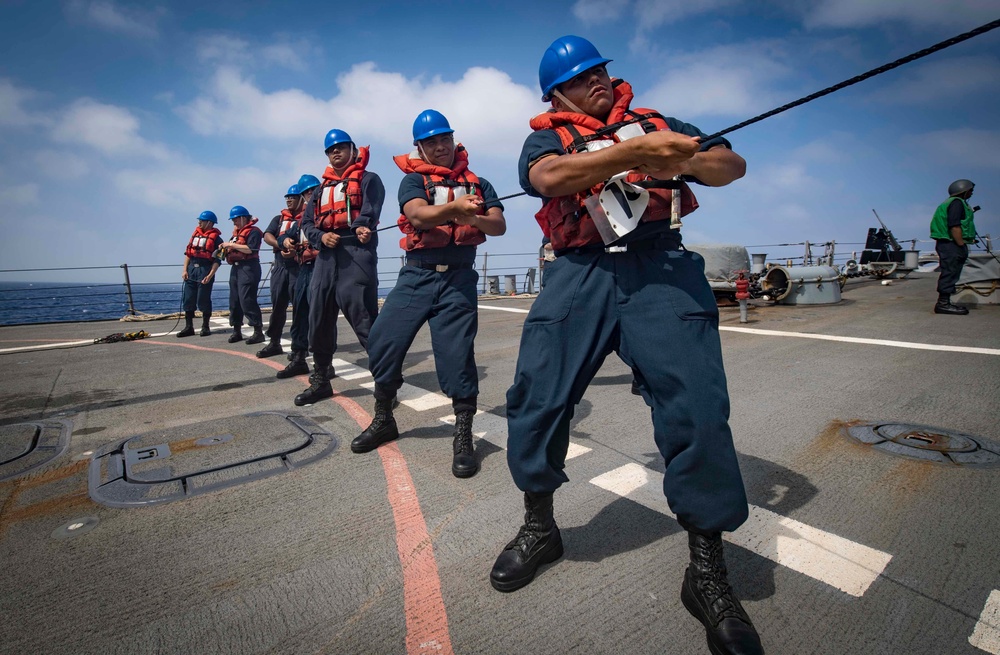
(426, 616)
(824, 556)
(415, 397)
(824, 337)
(493, 428)
(873, 342)
(986, 635)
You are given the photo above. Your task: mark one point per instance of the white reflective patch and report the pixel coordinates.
(338, 192)
(623, 204)
(325, 200)
(630, 131)
(441, 194)
(600, 144)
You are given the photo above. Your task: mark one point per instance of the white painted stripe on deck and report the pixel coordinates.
(493, 428)
(873, 342)
(46, 346)
(415, 397)
(824, 556)
(513, 310)
(986, 635)
(824, 337)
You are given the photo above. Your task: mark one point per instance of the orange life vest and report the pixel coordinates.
(240, 237)
(339, 199)
(565, 220)
(203, 243)
(443, 185)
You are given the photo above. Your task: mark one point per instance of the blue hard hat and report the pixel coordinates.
(567, 57)
(208, 216)
(307, 182)
(293, 190)
(430, 123)
(237, 211)
(333, 137)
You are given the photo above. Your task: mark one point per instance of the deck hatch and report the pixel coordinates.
(167, 465)
(928, 443)
(26, 446)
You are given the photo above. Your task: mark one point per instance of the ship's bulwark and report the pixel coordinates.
(848, 549)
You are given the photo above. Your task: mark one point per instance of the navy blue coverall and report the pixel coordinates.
(284, 273)
(299, 331)
(435, 286)
(345, 278)
(653, 306)
(195, 293)
(243, 281)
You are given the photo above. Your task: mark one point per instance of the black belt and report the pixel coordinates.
(633, 246)
(440, 268)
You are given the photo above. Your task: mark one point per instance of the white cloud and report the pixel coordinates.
(957, 151)
(110, 129)
(59, 164)
(599, 11)
(19, 194)
(732, 80)
(651, 14)
(234, 52)
(12, 110)
(941, 81)
(919, 13)
(374, 106)
(106, 15)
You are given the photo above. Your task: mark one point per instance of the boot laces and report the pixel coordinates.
(711, 580)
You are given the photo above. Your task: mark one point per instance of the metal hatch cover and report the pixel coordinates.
(928, 443)
(168, 465)
(26, 446)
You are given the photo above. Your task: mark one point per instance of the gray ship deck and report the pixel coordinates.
(848, 550)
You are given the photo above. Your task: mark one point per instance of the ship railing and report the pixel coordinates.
(146, 291)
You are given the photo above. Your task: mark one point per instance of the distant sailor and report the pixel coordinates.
(340, 222)
(623, 283)
(284, 270)
(305, 257)
(953, 228)
(446, 212)
(200, 265)
(243, 254)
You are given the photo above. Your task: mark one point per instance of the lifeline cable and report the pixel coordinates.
(846, 83)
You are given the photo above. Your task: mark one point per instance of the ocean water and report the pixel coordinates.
(52, 302)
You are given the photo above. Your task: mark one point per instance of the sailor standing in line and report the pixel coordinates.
(446, 212)
(200, 265)
(953, 228)
(284, 271)
(305, 256)
(340, 222)
(632, 288)
(243, 253)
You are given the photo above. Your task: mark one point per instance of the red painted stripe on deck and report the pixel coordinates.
(426, 617)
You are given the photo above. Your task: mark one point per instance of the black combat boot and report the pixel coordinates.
(464, 464)
(205, 329)
(943, 306)
(707, 595)
(256, 337)
(272, 348)
(296, 366)
(237, 334)
(537, 542)
(382, 430)
(188, 330)
(319, 387)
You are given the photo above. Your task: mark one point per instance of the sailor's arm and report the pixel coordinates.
(423, 215)
(664, 152)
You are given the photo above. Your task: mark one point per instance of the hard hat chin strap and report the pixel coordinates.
(566, 101)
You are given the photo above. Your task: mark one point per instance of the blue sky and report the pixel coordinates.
(120, 122)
